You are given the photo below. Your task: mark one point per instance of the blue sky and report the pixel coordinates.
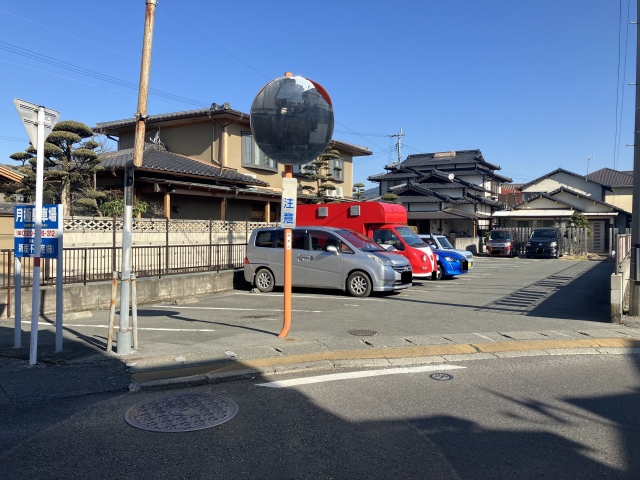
(532, 84)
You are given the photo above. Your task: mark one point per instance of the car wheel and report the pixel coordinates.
(358, 284)
(264, 280)
(439, 273)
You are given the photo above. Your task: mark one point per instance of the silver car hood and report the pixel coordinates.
(396, 258)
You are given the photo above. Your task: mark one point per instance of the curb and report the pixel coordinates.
(392, 357)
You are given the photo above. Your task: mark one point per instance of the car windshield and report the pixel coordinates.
(359, 241)
(445, 243)
(409, 237)
(544, 234)
(499, 235)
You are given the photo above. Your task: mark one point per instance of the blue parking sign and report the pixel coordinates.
(24, 231)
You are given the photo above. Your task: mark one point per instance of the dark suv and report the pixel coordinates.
(545, 241)
(501, 243)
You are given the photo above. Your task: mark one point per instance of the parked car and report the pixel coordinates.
(502, 243)
(442, 243)
(450, 263)
(545, 241)
(325, 257)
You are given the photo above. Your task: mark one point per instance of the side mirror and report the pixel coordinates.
(332, 249)
(399, 245)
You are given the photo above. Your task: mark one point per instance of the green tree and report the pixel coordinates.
(580, 221)
(70, 164)
(390, 197)
(358, 190)
(321, 172)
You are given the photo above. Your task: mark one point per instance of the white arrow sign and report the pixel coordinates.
(29, 115)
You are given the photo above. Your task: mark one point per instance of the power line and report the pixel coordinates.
(216, 44)
(93, 74)
(624, 77)
(13, 139)
(348, 132)
(158, 65)
(615, 138)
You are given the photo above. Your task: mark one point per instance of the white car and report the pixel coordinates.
(442, 243)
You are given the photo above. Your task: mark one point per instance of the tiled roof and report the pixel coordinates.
(507, 188)
(159, 160)
(392, 176)
(101, 127)
(611, 177)
(578, 194)
(460, 157)
(558, 170)
(420, 199)
(549, 197)
(10, 174)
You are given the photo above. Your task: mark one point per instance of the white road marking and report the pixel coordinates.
(235, 309)
(139, 328)
(350, 305)
(324, 297)
(350, 375)
(486, 274)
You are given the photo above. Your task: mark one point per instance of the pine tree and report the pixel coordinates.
(358, 190)
(321, 172)
(70, 164)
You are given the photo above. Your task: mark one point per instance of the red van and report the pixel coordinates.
(385, 223)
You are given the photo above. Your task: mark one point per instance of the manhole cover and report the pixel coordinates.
(181, 413)
(363, 333)
(441, 376)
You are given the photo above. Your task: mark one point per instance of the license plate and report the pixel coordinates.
(406, 277)
(470, 264)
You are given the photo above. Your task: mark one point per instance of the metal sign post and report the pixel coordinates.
(25, 244)
(38, 122)
(288, 221)
(292, 123)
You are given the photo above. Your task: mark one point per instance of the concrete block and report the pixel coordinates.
(522, 353)
(620, 351)
(525, 335)
(469, 356)
(399, 362)
(573, 351)
(427, 339)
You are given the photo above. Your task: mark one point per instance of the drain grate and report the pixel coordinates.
(181, 412)
(441, 376)
(363, 333)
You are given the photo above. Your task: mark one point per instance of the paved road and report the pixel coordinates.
(557, 417)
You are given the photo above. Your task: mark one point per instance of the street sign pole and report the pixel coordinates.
(292, 123)
(37, 240)
(289, 200)
(38, 121)
(17, 339)
(59, 274)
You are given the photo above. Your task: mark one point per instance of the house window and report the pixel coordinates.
(339, 164)
(299, 169)
(253, 157)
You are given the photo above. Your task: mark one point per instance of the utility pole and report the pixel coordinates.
(124, 333)
(399, 144)
(634, 301)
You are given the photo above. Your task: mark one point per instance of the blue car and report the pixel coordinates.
(450, 263)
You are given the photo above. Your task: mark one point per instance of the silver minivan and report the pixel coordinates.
(325, 257)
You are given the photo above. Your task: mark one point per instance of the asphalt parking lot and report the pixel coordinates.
(500, 299)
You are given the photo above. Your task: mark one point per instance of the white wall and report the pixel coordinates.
(591, 189)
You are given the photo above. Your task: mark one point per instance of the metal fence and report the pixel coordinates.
(623, 249)
(575, 240)
(93, 264)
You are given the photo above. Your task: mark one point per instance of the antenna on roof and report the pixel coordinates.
(588, 162)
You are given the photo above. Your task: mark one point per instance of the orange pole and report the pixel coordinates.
(288, 234)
